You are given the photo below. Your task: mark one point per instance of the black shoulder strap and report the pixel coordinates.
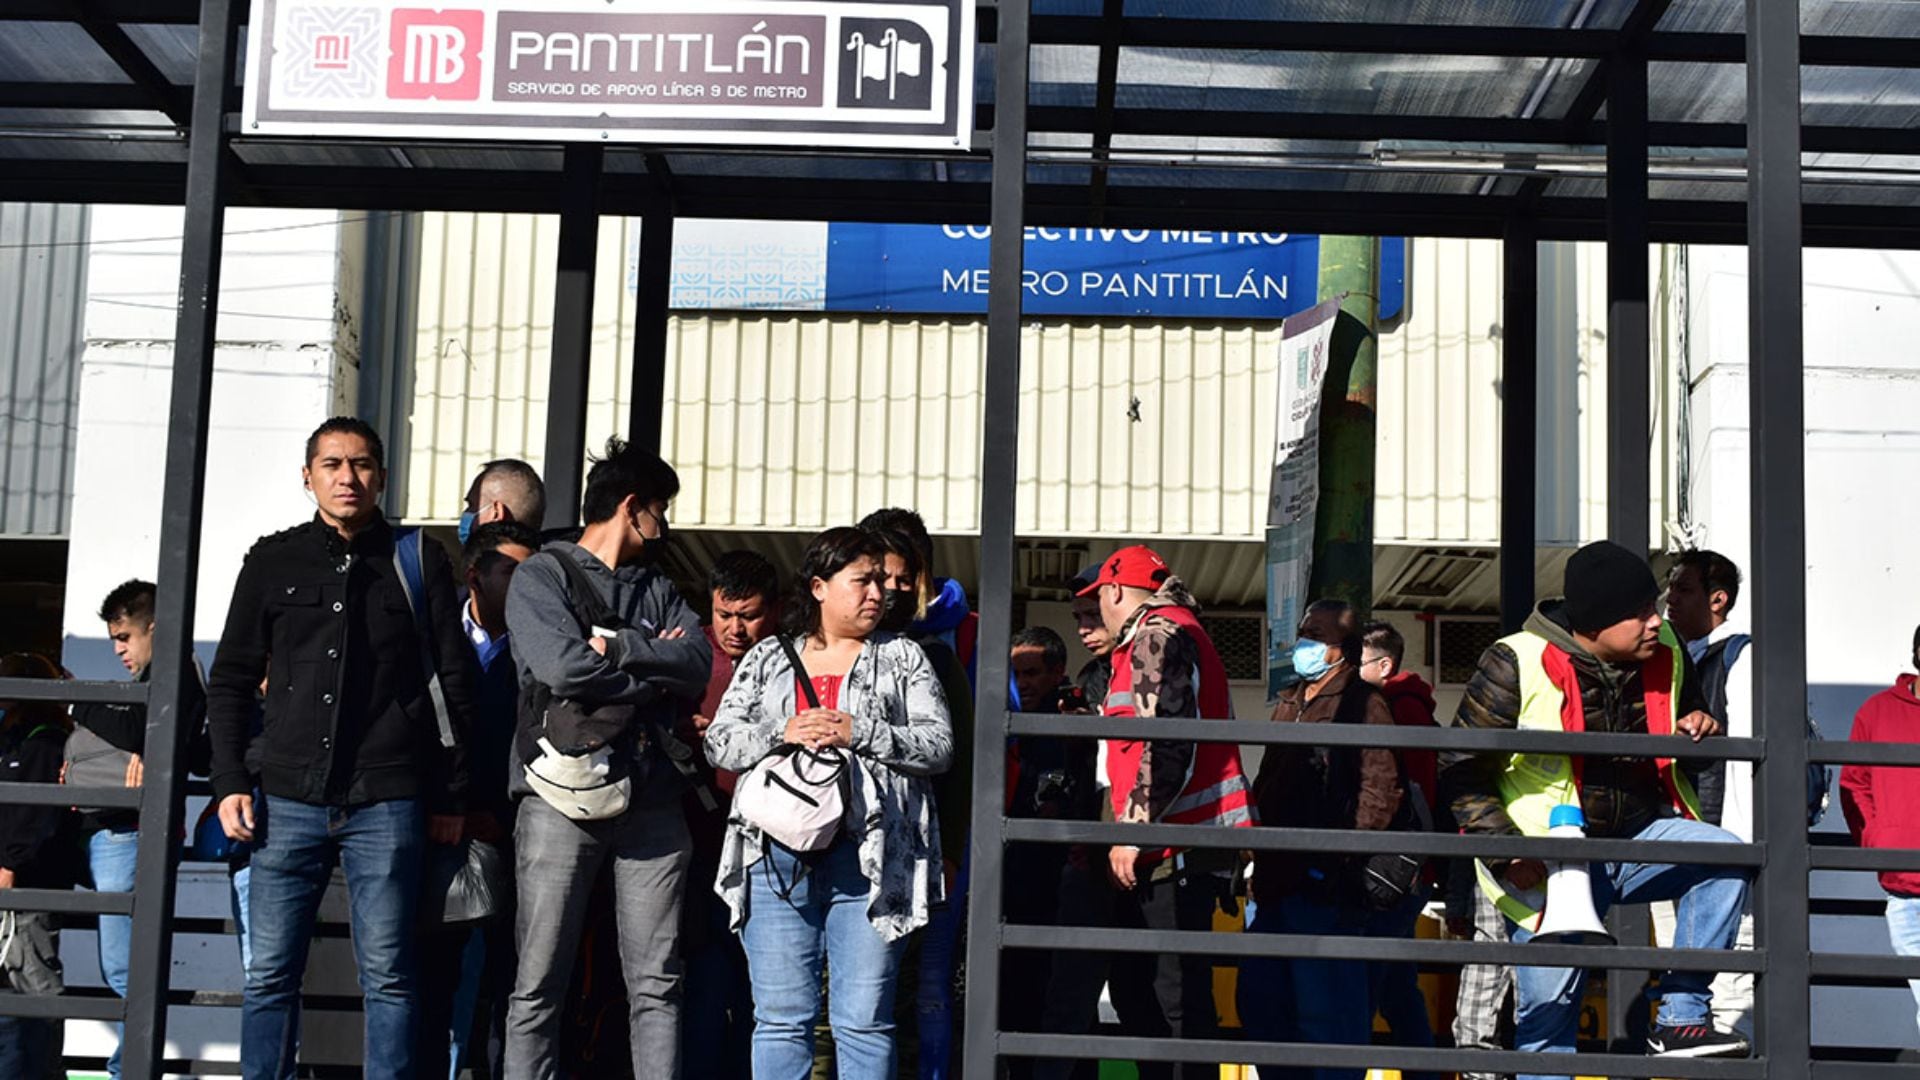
(799, 671)
(587, 605)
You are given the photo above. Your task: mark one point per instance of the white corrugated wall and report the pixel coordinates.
(798, 420)
(43, 295)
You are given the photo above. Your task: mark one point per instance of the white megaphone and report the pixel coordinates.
(1569, 918)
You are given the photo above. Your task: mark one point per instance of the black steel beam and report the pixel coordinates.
(1875, 860)
(1635, 30)
(1369, 842)
(999, 478)
(1106, 88)
(1264, 733)
(1519, 420)
(1390, 949)
(18, 794)
(162, 808)
(69, 902)
(1834, 752)
(1629, 390)
(1777, 448)
(60, 1007)
(74, 692)
(572, 352)
(651, 322)
(174, 101)
(1361, 1058)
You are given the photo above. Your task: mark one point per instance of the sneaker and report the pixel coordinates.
(1695, 1041)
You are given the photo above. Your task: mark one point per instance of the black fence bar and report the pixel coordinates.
(74, 691)
(653, 287)
(61, 1007)
(1342, 947)
(1371, 842)
(65, 901)
(1777, 448)
(1519, 420)
(1377, 1057)
(1267, 733)
(1628, 350)
(1875, 753)
(567, 375)
(999, 478)
(13, 793)
(1864, 966)
(1875, 859)
(162, 809)
(1858, 1070)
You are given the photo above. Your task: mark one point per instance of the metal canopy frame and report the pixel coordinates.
(1020, 175)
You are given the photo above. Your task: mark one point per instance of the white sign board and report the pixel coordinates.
(771, 72)
(1304, 343)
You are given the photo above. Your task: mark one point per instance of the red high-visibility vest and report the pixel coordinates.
(1216, 791)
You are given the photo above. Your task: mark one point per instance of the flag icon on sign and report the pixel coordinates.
(884, 62)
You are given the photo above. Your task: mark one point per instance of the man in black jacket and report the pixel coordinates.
(351, 757)
(112, 836)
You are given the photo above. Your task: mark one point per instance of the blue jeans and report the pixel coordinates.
(1394, 986)
(792, 928)
(1710, 900)
(1302, 999)
(30, 1047)
(1903, 926)
(381, 846)
(933, 997)
(110, 855)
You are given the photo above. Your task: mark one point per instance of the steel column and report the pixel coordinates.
(653, 288)
(1629, 411)
(572, 352)
(1628, 373)
(1519, 420)
(998, 477)
(1779, 507)
(161, 806)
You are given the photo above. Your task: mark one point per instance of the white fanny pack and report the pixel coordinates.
(584, 787)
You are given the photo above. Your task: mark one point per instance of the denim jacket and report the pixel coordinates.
(901, 738)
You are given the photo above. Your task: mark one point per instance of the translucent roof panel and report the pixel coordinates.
(171, 47)
(53, 52)
(1388, 84)
(1528, 13)
(1830, 96)
(1861, 18)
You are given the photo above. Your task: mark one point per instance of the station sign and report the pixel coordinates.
(760, 72)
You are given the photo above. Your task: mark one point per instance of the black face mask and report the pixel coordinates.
(655, 547)
(901, 606)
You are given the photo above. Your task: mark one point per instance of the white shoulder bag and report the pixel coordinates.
(796, 796)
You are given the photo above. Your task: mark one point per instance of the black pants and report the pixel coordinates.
(1156, 995)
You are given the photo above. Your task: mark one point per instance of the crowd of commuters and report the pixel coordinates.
(535, 763)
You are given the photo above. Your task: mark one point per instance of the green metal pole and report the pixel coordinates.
(1343, 528)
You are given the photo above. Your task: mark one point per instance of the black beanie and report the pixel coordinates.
(1606, 583)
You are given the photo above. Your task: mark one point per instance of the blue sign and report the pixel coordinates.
(943, 269)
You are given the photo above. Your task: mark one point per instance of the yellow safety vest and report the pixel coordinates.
(1533, 784)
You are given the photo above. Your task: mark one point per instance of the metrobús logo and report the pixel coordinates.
(435, 54)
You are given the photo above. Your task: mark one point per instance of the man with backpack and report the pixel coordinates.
(1311, 999)
(360, 756)
(609, 656)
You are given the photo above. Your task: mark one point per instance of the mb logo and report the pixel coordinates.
(435, 54)
(886, 64)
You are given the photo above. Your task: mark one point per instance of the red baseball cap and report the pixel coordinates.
(1138, 567)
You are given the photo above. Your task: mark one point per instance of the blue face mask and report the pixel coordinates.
(1310, 659)
(466, 526)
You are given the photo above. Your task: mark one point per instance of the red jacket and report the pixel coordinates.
(1882, 803)
(1412, 702)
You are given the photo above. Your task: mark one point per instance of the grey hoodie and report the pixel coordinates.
(551, 647)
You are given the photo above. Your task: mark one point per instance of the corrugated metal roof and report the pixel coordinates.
(43, 276)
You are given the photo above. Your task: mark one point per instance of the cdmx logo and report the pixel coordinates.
(886, 64)
(435, 54)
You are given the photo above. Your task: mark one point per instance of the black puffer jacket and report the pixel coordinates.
(348, 717)
(1620, 796)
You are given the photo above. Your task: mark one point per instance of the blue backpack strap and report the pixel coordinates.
(409, 566)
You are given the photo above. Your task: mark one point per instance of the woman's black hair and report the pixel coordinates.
(826, 555)
(895, 542)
